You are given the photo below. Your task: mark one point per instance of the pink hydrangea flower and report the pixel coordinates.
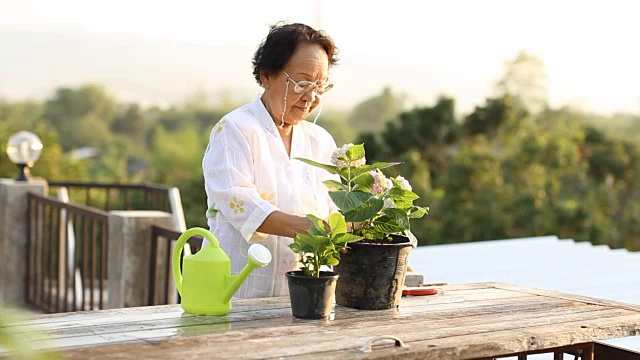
(379, 182)
(404, 184)
(342, 153)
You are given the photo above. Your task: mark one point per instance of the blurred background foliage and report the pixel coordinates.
(24, 345)
(514, 167)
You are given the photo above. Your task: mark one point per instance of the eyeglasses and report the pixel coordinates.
(305, 86)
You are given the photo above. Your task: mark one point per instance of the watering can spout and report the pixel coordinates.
(258, 256)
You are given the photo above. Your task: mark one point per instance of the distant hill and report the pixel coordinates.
(153, 71)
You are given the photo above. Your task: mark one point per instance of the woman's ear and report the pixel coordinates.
(265, 79)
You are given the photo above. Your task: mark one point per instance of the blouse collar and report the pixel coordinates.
(262, 114)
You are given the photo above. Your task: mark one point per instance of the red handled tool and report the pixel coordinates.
(419, 291)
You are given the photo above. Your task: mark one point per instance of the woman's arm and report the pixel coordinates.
(283, 224)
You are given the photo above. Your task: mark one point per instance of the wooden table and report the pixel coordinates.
(484, 320)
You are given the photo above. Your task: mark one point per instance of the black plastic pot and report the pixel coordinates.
(372, 274)
(311, 297)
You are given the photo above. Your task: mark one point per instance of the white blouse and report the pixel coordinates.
(248, 175)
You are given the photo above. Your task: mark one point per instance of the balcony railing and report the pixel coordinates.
(68, 240)
(64, 241)
(117, 196)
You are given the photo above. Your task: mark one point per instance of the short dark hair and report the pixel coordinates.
(276, 49)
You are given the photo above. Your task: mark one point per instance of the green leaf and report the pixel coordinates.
(330, 168)
(371, 233)
(333, 185)
(295, 247)
(318, 223)
(366, 168)
(316, 232)
(349, 200)
(418, 212)
(310, 241)
(337, 224)
(385, 225)
(402, 195)
(347, 238)
(364, 181)
(365, 211)
(331, 261)
(398, 216)
(404, 205)
(355, 152)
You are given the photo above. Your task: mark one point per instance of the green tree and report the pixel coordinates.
(525, 78)
(177, 161)
(81, 116)
(53, 163)
(335, 122)
(496, 114)
(370, 115)
(129, 122)
(472, 207)
(430, 130)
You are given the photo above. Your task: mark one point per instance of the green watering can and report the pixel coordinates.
(208, 286)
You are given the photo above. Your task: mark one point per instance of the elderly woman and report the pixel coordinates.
(256, 191)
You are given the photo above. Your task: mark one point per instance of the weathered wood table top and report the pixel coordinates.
(461, 322)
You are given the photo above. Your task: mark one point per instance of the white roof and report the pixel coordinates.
(541, 262)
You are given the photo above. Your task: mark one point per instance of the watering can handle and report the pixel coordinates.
(177, 251)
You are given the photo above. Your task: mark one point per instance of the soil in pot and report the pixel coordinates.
(372, 274)
(311, 297)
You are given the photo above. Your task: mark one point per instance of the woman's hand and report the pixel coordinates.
(308, 224)
(301, 225)
(283, 224)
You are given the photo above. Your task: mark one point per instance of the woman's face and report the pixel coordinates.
(309, 62)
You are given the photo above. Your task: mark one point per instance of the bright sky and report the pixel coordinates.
(590, 48)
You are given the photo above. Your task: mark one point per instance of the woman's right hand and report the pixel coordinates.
(283, 224)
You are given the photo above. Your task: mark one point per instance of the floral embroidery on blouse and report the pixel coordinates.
(221, 236)
(268, 196)
(237, 205)
(286, 266)
(306, 177)
(218, 126)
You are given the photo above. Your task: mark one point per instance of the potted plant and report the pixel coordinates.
(378, 209)
(311, 290)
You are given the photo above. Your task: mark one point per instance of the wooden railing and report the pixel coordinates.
(68, 241)
(117, 196)
(66, 256)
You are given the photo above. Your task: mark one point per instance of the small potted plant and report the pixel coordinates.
(311, 290)
(378, 209)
